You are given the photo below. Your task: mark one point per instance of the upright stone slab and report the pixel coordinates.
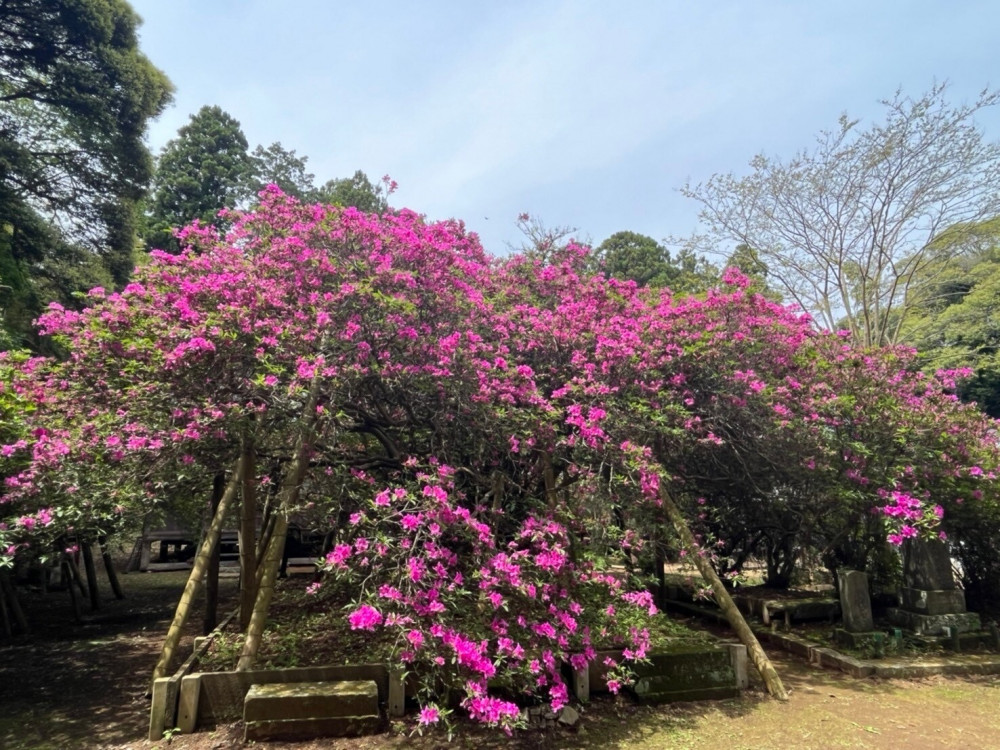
(932, 603)
(927, 565)
(855, 601)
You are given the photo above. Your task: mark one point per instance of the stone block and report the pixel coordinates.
(158, 721)
(855, 601)
(813, 608)
(927, 565)
(597, 671)
(187, 705)
(311, 700)
(939, 602)
(580, 684)
(657, 690)
(222, 693)
(920, 624)
(307, 729)
(699, 673)
(867, 639)
(738, 660)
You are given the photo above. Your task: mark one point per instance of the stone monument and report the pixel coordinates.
(855, 601)
(858, 629)
(931, 603)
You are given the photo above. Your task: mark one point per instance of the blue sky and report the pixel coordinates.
(584, 114)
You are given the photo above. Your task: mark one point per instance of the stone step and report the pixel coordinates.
(310, 729)
(300, 710)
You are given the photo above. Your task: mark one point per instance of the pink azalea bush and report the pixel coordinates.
(486, 431)
(470, 610)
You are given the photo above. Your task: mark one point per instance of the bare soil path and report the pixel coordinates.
(84, 687)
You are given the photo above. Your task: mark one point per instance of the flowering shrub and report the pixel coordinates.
(482, 428)
(471, 611)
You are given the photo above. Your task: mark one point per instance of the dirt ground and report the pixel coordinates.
(84, 687)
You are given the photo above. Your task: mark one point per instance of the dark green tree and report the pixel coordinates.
(275, 165)
(749, 262)
(357, 191)
(204, 169)
(76, 95)
(629, 255)
(957, 324)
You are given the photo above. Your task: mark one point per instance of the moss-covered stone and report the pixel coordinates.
(686, 673)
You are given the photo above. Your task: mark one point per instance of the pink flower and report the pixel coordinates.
(365, 617)
(339, 554)
(429, 715)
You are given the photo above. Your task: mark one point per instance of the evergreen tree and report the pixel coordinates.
(275, 165)
(204, 169)
(357, 191)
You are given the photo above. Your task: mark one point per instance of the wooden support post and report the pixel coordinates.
(212, 572)
(760, 660)
(87, 549)
(109, 567)
(194, 579)
(248, 533)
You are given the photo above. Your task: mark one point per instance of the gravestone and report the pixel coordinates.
(928, 580)
(931, 603)
(855, 601)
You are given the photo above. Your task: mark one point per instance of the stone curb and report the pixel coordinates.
(822, 656)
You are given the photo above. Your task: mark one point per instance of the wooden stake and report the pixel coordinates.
(194, 579)
(86, 547)
(760, 660)
(109, 567)
(248, 536)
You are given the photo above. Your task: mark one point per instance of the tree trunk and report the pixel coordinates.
(109, 568)
(8, 591)
(67, 575)
(771, 679)
(549, 477)
(212, 572)
(276, 546)
(74, 574)
(267, 526)
(87, 548)
(8, 631)
(660, 561)
(248, 536)
(194, 579)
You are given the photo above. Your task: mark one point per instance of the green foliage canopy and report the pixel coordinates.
(204, 169)
(629, 255)
(76, 94)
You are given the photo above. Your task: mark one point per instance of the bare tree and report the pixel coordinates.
(543, 242)
(856, 229)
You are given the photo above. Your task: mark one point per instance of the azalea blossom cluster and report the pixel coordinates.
(484, 612)
(479, 424)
